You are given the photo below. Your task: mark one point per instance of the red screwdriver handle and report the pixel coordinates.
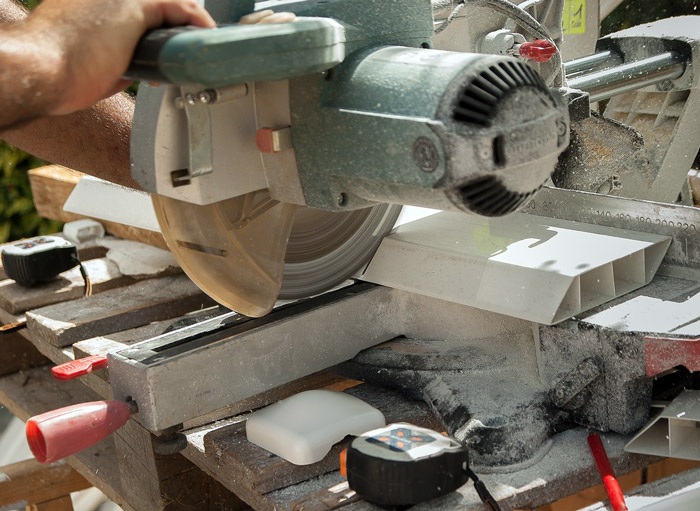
(79, 367)
(59, 433)
(612, 487)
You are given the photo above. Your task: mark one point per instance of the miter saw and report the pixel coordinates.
(313, 127)
(278, 155)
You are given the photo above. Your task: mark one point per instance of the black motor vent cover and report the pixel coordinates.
(476, 103)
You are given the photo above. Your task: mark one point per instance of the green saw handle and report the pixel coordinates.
(232, 54)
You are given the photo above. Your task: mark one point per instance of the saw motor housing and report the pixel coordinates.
(349, 107)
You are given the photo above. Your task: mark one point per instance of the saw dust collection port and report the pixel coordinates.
(247, 251)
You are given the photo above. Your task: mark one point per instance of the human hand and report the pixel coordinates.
(91, 42)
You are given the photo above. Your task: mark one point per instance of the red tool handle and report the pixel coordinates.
(539, 50)
(66, 431)
(79, 367)
(617, 500)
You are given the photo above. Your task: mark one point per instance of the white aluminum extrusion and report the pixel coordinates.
(103, 200)
(529, 267)
(675, 432)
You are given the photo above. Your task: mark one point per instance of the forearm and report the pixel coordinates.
(30, 73)
(66, 56)
(94, 141)
(11, 11)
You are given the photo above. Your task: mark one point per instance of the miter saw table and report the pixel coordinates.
(137, 477)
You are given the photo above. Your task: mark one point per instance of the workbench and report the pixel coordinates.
(219, 469)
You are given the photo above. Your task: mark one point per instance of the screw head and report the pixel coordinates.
(425, 154)
(561, 128)
(206, 96)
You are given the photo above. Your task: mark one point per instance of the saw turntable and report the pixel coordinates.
(278, 156)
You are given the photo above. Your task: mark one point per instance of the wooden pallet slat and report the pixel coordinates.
(69, 285)
(119, 309)
(18, 354)
(51, 186)
(30, 482)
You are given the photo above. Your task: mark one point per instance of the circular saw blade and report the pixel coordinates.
(326, 248)
(247, 251)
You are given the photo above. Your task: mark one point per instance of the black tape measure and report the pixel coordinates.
(38, 259)
(402, 464)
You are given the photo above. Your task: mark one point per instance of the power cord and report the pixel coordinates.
(484, 493)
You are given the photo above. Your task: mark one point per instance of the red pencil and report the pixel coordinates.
(617, 500)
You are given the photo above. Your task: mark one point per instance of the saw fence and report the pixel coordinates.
(219, 469)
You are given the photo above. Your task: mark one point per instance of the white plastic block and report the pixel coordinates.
(302, 429)
(80, 231)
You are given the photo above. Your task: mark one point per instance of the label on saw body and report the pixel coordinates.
(574, 17)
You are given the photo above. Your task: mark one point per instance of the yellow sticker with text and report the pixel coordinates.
(574, 19)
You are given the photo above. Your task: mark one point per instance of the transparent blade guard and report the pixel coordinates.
(234, 249)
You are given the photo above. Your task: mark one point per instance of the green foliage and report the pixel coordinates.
(30, 4)
(18, 217)
(635, 12)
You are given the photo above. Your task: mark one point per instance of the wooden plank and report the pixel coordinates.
(565, 467)
(334, 497)
(69, 285)
(30, 482)
(115, 310)
(18, 354)
(297, 497)
(249, 471)
(60, 504)
(51, 186)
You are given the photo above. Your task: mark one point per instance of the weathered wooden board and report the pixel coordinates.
(320, 493)
(30, 482)
(51, 186)
(64, 503)
(160, 482)
(334, 497)
(69, 285)
(18, 354)
(565, 468)
(118, 309)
